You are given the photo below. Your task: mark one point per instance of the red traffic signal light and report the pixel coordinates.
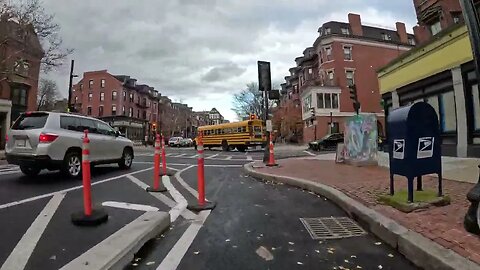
(253, 117)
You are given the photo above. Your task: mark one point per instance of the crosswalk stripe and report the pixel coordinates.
(228, 157)
(249, 157)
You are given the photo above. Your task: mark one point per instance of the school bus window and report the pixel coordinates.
(257, 129)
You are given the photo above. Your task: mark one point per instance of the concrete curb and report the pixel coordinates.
(118, 249)
(419, 250)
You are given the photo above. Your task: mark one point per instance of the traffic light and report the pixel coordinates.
(253, 117)
(354, 97)
(154, 127)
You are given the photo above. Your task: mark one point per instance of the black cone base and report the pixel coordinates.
(161, 188)
(197, 207)
(272, 165)
(97, 217)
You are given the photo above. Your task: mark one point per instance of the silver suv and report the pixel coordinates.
(53, 141)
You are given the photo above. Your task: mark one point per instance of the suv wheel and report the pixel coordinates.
(127, 158)
(30, 171)
(72, 165)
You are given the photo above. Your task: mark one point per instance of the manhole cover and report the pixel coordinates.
(332, 227)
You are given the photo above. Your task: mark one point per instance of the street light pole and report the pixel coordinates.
(69, 103)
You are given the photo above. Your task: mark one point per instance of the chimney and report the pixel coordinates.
(421, 33)
(402, 32)
(355, 24)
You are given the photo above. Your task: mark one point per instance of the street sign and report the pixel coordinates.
(269, 125)
(274, 95)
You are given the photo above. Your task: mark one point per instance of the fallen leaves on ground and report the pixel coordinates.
(196, 252)
(264, 253)
(299, 263)
(149, 263)
(390, 255)
(378, 243)
(291, 243)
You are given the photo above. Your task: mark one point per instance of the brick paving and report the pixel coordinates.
(443, 225)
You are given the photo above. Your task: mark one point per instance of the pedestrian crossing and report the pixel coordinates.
(207, 156)
(9, 169)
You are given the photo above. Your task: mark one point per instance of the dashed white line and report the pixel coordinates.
(130, 206)
(23, 250)
(212, 156)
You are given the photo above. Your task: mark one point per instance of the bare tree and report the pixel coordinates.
(30, 13)
(250, 100)
(47, 95)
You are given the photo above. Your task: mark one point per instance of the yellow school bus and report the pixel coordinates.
(239, 135)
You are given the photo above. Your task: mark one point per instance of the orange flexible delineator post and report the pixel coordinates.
(89, 216)
(164, 159)
(271, 159)
(157, 185)
(202, 203)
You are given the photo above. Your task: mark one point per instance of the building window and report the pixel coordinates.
(476, 106)
(81, 86)
(350, 77)
(138, 114)
(131, 97)
(328, 52)
(328, 31)
(130, 112)
(89, 110)
(19, 96)
(90, 96)
(347, 52)
(411, 41)
(123, 110)
(345, 31)
(310, 71)
(331, 75)
(114, 110)
(76, 99)
(144, 115)
(327, 101)
(386, 36)
(124, 95)
(114, 95)
(444, 105)
(100, 111)
(102, 83)
(102, 96)
(307, 103)
(435, 28)
(90, 84)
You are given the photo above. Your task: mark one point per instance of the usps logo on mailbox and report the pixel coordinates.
(425, 147)
(399, 149)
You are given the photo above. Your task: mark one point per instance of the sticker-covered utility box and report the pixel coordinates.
(414, 143)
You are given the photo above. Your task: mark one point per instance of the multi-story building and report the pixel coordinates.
(344, 54)
(435, 15)
(20, 56)
(441, 72)
(130, 107)
(215, 117)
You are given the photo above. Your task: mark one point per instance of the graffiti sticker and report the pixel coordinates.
(399, 149)
(425, 147)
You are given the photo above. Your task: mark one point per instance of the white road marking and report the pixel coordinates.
(176, 254)
(23, 250)
(249, 157)
(67, 190)
(228, 157)
(168, 154)
(212, 156)
(185, 164)
(308, 152)
(10, 172)
(184, 184)
(181, 155)
(194, 156)
(130, 206)
(181, 207)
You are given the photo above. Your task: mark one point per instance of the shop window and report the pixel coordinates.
(448, 115)
(476, 107)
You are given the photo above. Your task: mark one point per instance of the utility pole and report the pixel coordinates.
(70, 108)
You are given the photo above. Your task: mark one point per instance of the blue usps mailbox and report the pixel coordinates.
(414, 145)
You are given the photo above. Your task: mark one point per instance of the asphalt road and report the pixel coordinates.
(255, 225)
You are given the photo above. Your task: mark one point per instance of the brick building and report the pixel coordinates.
(129, 107)
(435, 15)
(20, 56)
(440, 72)
(343, 54)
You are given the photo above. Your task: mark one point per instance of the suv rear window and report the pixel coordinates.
(30, 121)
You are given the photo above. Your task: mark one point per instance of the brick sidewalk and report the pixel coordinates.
(443, 225)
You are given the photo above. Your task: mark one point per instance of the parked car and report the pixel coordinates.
(186, 142)
(53, 141)
(175, 141)
(330, 141)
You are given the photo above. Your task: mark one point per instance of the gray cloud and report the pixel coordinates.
(223, 72)
(190, 49)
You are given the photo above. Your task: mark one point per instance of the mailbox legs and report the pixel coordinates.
(419, 183)
(440, 189)
(410, 190)
(392, 187)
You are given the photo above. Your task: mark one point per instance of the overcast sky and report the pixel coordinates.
(203, 51)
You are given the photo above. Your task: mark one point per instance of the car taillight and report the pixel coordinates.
(47, 137)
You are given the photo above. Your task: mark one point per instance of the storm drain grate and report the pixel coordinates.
(332, 227)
